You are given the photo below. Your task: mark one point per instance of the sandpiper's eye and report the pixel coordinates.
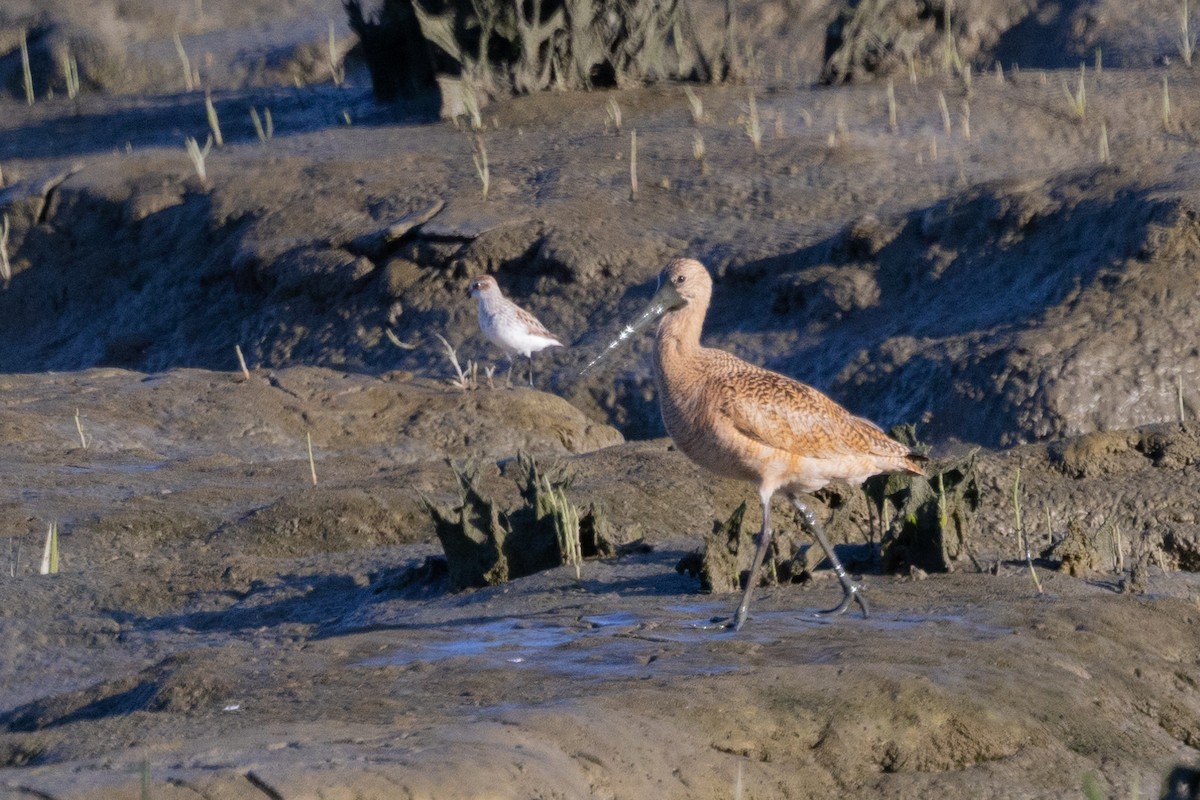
(680, 278)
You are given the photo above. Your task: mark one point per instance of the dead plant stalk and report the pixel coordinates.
(465, 379)
(614, 114)
(1166, 104)
(237, 348)
(198, 156)
(945, 112)
(1022, 539)
(633, 178)
(25, 69)
(5, 266)
(214, 122)
(79, 429)
(71, 75)
(337, 69)
(695, 104)
(312, 464)
(265, 131)
(893, 126)
(754, 125)
(479, 155)
(1187, 39)
(189, 77)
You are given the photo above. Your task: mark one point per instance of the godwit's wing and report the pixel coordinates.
(793, 417)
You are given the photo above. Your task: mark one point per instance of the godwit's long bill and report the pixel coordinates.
(743, 421)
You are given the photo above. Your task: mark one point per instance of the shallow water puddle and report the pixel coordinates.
(125, 467)
(617, 644)
(621, 644)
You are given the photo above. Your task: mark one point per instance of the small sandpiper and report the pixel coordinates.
(508, 326)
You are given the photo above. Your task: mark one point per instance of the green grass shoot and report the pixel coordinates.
(1077, 100)
(50, 552)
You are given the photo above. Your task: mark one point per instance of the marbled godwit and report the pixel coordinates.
(508, 326)
(743, 421)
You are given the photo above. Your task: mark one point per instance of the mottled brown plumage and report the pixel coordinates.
(743, 421)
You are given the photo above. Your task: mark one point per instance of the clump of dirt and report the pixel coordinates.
(485, 546)
(1078, 554)
(929, 521)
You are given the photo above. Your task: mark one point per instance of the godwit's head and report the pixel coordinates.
(483, 286)
(684, 282)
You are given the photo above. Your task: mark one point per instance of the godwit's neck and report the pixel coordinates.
(679, 336)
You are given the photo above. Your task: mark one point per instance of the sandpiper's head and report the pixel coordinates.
(482, 286)
(683, 282)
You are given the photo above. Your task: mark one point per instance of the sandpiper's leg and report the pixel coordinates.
(508, 375)
(764, 542)
(852, 590)
(531, 369)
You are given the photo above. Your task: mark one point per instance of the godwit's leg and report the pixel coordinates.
(852, 590)
(764, 541)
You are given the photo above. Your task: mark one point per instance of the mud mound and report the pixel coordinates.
(126, 47)
(1122, 489)
(870, 38)
(992, 313)
(212, 606)
(270, 415)
(1062, 308)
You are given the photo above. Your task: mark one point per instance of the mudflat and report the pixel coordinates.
(232, 620)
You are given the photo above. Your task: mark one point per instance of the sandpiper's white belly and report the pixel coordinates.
(513, 336)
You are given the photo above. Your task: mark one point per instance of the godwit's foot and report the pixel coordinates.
(852, 591)
(760, 553)
(716, 624)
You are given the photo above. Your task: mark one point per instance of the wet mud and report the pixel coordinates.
(231, 619)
